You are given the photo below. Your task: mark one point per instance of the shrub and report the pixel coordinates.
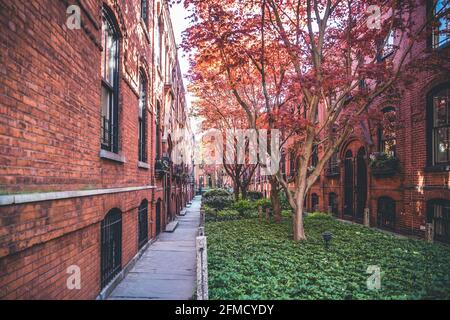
(319, 215)
(284, 202)
(218, 202)
(254, 195)
(216, 193)
(286, 213)
(264, 203)
(228, 214)
(244, 207)
(209, 211)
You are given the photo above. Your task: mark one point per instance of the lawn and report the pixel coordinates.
(248, 259)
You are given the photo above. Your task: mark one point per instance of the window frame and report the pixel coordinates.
(158, 130)
(142, 117)
(433, 41)
(333, 165)
(315, 155)
(110, 124)
(145, 12)
(384, 51)
(432, 165)
(381, 137)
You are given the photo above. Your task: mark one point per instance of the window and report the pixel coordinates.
(292, 163)
(143, 118)
(439, 123)
(283, 163)
(362, 85)
(316, 115)
(158, 130)
(144, 11)
(333, 165)
(315, 156)
(158, 38)
(440, 37)
(386, 48)
(314, 202)
(110, 84)
(387, 141)
(438, 213)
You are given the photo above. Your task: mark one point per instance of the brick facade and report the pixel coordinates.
(56, 184)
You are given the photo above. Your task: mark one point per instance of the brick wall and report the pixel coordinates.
(50, 88)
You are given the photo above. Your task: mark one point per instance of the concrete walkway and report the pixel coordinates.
(167, 270)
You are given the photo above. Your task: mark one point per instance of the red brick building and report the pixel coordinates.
(411, 196)
(80, 113)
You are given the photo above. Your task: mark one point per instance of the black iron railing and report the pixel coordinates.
(111, 246)
(109, 135)
(143, 224)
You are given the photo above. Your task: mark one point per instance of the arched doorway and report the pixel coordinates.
(348, 183)
(439, 215)
(111, 246)
(386, 213)
(158, 217)
(361, 183)
(143, 224)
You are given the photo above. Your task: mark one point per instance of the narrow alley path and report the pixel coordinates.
(167, 270)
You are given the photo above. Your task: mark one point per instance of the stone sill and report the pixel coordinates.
(58, 195)
(112, 156)
(438, 168)
(143, 165)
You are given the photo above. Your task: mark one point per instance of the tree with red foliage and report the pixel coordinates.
(303, 58)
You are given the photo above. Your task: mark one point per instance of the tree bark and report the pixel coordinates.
(236, 189)
(275, 199)
(299, 230)
(244, 191)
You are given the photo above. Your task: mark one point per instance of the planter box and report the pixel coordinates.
(384, 172)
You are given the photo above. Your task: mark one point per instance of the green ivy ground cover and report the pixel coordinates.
(248, 259)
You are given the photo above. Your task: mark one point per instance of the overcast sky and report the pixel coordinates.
(180, 23)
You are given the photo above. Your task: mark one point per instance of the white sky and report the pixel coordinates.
(180, 23)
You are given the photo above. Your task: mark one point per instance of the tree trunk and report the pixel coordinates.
(236, 189)
(299, 230)
(244, 191)
(275, 200)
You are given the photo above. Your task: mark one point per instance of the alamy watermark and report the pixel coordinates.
(374, 280)
(234, 147)
(74, 280)
(73, 21)
(374, 18)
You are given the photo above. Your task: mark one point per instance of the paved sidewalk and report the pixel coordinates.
(167, 269)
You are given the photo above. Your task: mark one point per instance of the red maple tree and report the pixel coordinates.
(304, 57)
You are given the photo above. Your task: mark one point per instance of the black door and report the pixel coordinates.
(386, 213)
(440, 212)
(143, 224)
(361, 183)
(348, 183)
(111, 246)
(158, 217)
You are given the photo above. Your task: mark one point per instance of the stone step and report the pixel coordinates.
(171, 226)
